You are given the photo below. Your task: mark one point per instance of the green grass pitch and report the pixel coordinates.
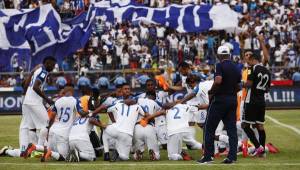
(284, 138)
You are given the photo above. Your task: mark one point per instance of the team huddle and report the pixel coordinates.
(64, 128)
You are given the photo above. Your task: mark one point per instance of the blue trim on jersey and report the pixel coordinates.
(159, 103)
(196, 89)
(54, 109)
(42, 76)
(78, 105)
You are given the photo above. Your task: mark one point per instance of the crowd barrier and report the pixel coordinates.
(279, 97)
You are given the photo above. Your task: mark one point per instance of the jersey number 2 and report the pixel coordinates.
(176, 114)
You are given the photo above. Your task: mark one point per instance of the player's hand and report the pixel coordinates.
(144, 122)
(50, 102)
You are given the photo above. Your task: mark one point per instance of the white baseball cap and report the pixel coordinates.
(223, 50)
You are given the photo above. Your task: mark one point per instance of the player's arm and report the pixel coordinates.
(36, 88)
(97, 122)
(266, 53)
(176, 88)
(111, 117)
(99, 109)
(159, 113)
(169, 105)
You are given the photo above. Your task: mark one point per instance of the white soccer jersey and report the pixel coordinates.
(66, 108)
(185, 85)
(201, 95)
(160, 98)
(127, 116)
(178, 119)
(148, 105)
(81, 129)
(31, 97)
(206, 85)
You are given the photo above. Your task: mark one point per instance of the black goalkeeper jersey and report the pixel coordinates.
(261, 78)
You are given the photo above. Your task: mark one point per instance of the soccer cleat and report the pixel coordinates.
(186, 156)
(152, 155)
(258, 151)
(189, 147)
(272, 148)
(69, 157)
(106, 156)
(4, 149)
(138, 155)
(115, 156)
(245, 148)
(30, 148)
(204, 160)
(227, 161)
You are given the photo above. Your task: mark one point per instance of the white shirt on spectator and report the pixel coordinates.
(144, 32)
(93, 60)
(124, 59)
(11, 81)
(95, 41)
(160, 32)
(173, 42)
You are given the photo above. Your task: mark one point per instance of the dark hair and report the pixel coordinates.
(119, 86)
(183, 65)
(255, 56)
(191, 78)
(49, 58)
(125, 84)
(151, 80)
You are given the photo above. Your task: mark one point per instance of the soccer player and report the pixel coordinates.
(34, 113)
(178, 116)
(160, 121)
(258, 83)
(65, 110)
(124, 118)
(145, 134)
(81, 148)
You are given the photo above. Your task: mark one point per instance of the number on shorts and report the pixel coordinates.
(264, 78)
(176, 114)
(65, 114)
(80, 120)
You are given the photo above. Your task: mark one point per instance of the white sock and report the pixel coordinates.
(13, 152)
(39, 147)
(42, 133)
(33, 137)
(224, 138)
(55, 155)
(105, 142)
(23, 138)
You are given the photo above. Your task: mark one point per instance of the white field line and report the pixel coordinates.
(150, 165)
(296, 130)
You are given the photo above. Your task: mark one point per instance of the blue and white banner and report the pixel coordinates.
(39, 32)
(27, 36)
(183, 18)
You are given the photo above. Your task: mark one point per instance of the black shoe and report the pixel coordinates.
(106, 156)
(204, 160)
(152, 155)
(115, 156)
(227, 161)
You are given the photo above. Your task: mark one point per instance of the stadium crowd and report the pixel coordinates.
(140, 46)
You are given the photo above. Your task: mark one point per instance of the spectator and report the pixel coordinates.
(103, 82)
(61, 81)
(11, 81)
(83, 81)
(119, 80)
(124, 59)
(296, 77)
(93, 60)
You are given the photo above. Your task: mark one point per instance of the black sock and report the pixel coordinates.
(262, 137)
(251, 136)
(61, 158)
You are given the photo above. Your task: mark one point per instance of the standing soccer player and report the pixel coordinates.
(258, 83)
(223, 103)
(34, 113)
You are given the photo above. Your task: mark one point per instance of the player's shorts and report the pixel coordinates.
(34, 117)
(145, 136)
(162, 134)
(254, 113)
(58, 143)
(84, 147)
(197, 115)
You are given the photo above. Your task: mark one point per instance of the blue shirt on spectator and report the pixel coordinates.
(296, 77)
(210, 42)
(236, 47)
(103, 81)
(119, 80)
(83, 81)
(143, 78)
(61, 81)
(154, 51)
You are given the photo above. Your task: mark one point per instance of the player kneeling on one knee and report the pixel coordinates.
(81, 148)
(177, 117)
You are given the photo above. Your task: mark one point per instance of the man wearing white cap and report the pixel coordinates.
(223, 103)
